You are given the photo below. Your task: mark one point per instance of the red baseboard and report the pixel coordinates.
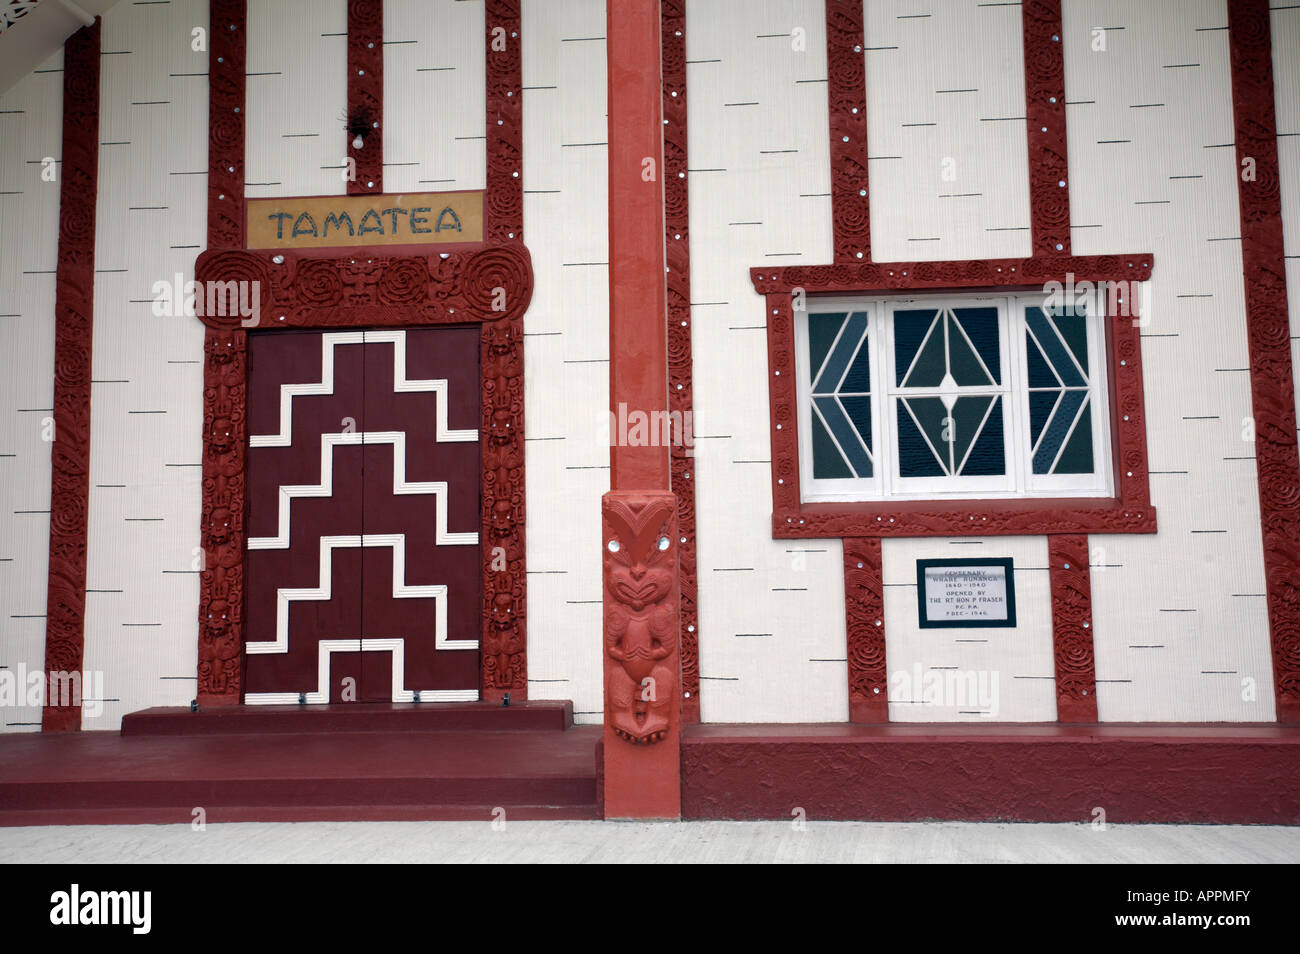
(1218, 774)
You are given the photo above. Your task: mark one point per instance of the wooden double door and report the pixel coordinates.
(363, 570)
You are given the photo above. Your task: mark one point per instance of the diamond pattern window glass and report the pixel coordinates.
(969, 396)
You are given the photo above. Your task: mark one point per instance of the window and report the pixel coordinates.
(966, 396)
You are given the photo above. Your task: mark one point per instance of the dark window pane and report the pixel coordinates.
(981, 326)
(822, 330)
(859, 377)
(1058, 428)
(915, 457)
(1040, 372)
(910, 329)
(859, 409)
(1040, 409)
(967, 420)
(827, 462)
(1074, 330)
(962, 361)
(1053, 350)
(839, 426)
(841, 353)
(1077, 456)
(988, 456)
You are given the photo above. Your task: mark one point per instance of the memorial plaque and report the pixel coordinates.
(966, 592)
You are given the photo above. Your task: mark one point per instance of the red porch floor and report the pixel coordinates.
(371, 763)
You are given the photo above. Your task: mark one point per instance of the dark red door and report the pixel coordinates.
(363, 512)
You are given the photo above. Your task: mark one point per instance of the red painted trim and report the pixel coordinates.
(224, 372)
(1239, 774)
(393, 291)
(74, 319)
(864, 613)
(1272, 392)
(504, 212)
(501, 363)
(366, 93)
(1076, 676)
(227, 60)
(642, 770)
(1129, 512)
(847, 100)
(680, 367)
(638, 352)
(1049, 184)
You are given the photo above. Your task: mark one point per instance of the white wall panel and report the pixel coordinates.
(31, 130)
(297, 96)
(1012, 667)
(434, 96)
(567, 346)
(772, 644)
(946, 131)
(1286, 85)
(1179, 617)
(147, 383)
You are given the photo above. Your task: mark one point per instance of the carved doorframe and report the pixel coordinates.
(488, 285)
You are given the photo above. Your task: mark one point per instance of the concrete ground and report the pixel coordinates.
(612, 842)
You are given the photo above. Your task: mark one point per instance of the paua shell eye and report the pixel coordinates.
(663, 543)
(613, 546)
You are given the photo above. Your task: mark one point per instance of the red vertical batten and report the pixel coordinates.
(677, 248)
(221, 582)
(366, 95)
(864, 604)
(864, 609)
(1076, 677)
(501, 363)
(1272, 390)
(74, 320)
(1049, 205)
(1049, 184)
(503, 212)
(640, 542)
(847, 98)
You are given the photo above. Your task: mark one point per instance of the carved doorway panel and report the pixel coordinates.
(363, 570)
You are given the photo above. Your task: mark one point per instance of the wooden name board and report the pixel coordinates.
(324, 221)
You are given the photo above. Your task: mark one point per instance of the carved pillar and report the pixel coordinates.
(641, 752)
(642, 680)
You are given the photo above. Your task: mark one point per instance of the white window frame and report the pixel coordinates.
(1020, 482)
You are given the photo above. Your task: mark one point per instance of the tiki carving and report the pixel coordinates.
(641, 606)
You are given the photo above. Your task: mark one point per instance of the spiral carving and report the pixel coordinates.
(404, 281)
(497, 283)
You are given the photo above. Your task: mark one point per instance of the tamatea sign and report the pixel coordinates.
(324, 221)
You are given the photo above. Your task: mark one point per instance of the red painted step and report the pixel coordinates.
(555, 715)
(99, 778)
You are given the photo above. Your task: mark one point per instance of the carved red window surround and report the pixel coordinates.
(1130, 511)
